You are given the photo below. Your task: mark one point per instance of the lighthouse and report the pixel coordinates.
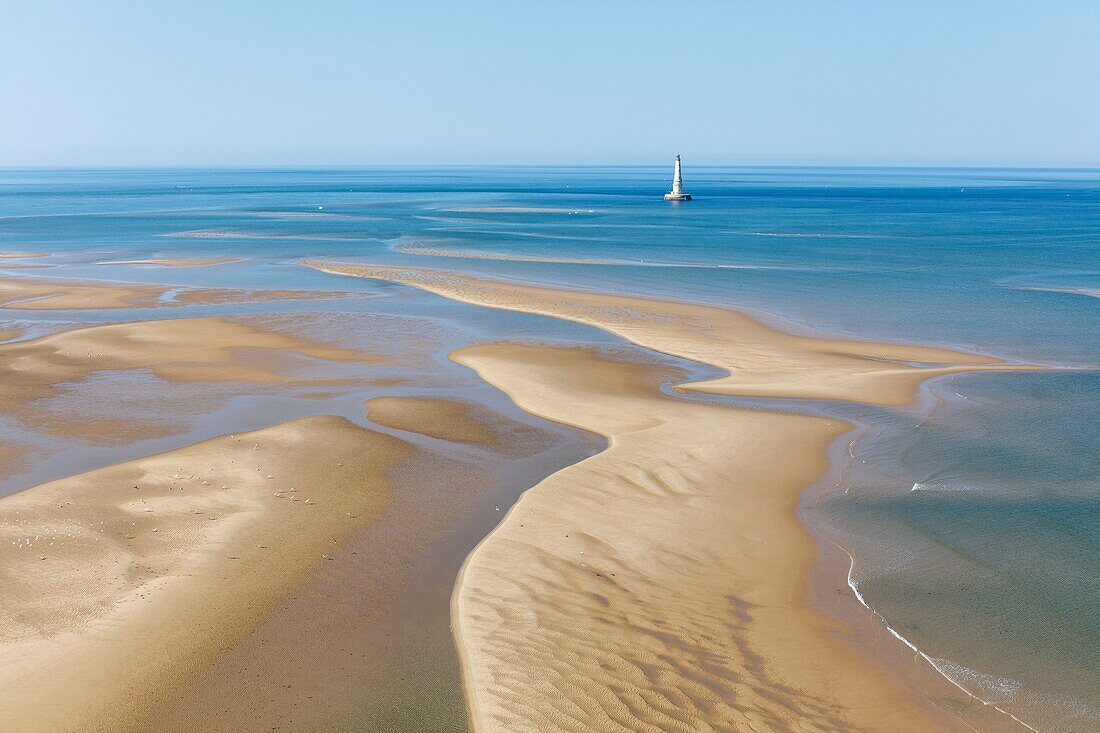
(677, 192)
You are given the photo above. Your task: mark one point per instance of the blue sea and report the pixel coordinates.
(973, 517)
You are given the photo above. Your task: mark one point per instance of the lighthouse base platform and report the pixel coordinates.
(677, 197)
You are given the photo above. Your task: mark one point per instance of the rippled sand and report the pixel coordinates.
(296, 577)
(122, 582)
(663, 585)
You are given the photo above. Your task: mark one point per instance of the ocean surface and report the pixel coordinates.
(973, 517)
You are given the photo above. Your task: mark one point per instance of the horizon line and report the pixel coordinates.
(366, 166)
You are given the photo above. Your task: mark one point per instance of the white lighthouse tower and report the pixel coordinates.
(677, 192)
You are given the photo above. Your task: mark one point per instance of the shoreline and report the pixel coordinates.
(60, 293)
(895, 652)
(312, 591)
(338, 548)
(175, 541)
(760, 359)
(482, 291)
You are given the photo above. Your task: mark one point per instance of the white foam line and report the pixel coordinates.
(931, 660)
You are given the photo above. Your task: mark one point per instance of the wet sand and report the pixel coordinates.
(762, 361)
(25, 293)
(295, 577)
(665, 584)
(123, 582)
(187, 349)
(292, 578)
(366, 642)
(456, 421)
(37, 294)
(219, 296)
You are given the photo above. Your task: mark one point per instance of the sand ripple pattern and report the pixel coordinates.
(636, 591)
(664, 584)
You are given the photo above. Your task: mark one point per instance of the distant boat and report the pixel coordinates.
(677, 192)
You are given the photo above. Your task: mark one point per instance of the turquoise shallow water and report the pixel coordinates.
(976, 533)
(973, 522)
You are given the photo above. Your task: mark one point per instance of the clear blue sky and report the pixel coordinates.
(830, 82)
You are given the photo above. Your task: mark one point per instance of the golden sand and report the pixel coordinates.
(762, 361)
(121, 583)
(177, 262)
(664, 585)
(25, 293)
(188, 349)
(222, 296)
(280, 579)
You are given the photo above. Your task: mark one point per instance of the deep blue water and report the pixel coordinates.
(991, 565)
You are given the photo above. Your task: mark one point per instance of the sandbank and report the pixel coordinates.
(38, 293)
(122, 583)
(26, 293)
(176, 262)
(211, 349)
(222, 296)
(292, 578)
(665, 583)
(762, 361)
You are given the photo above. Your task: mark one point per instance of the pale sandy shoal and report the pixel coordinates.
(26, 293)
(296, 577)
(219, 650)
(665, 584)
(761, 361)
(177, 262)
(219, 296)
(22, 255)
(39, 293)
(366, 642)
(210, 349)
(140, 588)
